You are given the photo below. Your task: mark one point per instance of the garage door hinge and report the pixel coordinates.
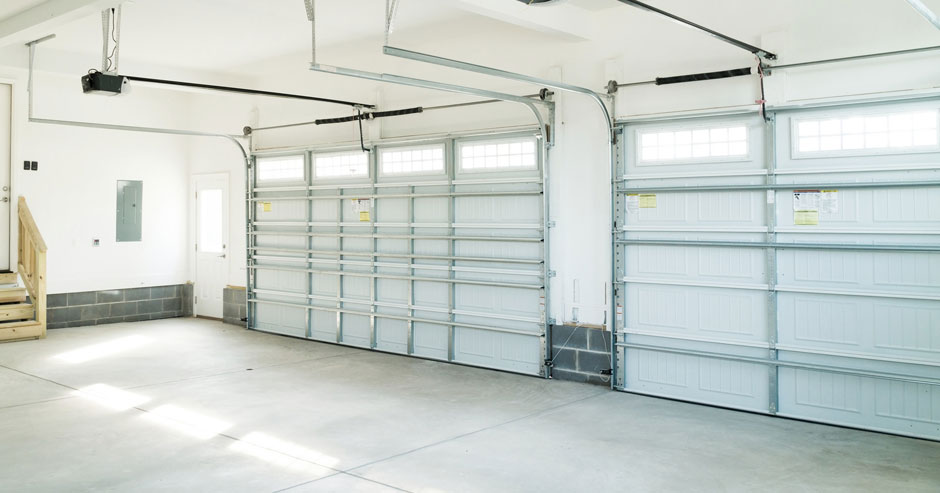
(550, 224)
(551, 273)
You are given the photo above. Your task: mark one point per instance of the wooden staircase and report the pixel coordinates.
(20, 320)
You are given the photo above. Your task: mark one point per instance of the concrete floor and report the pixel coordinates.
(193, 405)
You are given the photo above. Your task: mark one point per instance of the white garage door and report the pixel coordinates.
(434, 249)
(790, 268)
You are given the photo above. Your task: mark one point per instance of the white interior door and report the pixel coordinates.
(6, 119)
(211, 238)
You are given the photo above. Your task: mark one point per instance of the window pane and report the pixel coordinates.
(903, 130)
(425, 160)
(684, 144)
(210, 221)
(503, 154)
(281, 168)
(341, 165)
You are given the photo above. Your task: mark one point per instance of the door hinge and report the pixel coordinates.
(195, 300)
(550, 224)
(552, 273)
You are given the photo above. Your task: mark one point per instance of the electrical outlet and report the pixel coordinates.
(95, 242)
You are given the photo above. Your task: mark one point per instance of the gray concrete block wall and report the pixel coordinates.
(187, 299)
(234, 305)
(580, 354)
(117, 305)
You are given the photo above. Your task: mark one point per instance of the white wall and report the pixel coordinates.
(73, 193)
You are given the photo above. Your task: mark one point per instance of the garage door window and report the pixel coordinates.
(341, 165)
(861, 134)
(683, 145)
(509, 154)
(425, 160)
(281, 168)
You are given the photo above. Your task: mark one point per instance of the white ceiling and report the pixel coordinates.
(231, 36)
(12, 7)
(216, 35)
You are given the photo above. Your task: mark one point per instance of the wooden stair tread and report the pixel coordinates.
(15, 331)
(17, 311)
(11, 295)
(8, 278)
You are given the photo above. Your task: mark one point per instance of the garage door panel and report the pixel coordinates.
(281, 319)
(431, 247)
(698, 314)
(721, 265)
(392, 290)
(511, 209)
(529, 277)
(357, 288)
(843, 328)
(392, 210)
(431, 209)
(356, 329)
(884, 210)
(325, 284)
(273, 240)
(380, 258)
(323, 324)
(897, 407)
(719, 208)
(282, 210)
(431, 340)
(511, 352)
(708, 380)
(876, 272)
(324, 210)
(429, 293)
(277, 280)
(500, 301)
(499, 249)
(392, 335)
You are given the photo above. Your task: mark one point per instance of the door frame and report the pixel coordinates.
(14, 133)
(193, 222)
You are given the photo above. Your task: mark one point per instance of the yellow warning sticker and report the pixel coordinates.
(364, 216)
(266, 206)
(806, 218)
(647, 201)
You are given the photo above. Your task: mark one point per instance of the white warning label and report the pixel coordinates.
(829, 202)
(806, 200)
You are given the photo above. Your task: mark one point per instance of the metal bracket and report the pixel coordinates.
(550, 224)
(552, 273)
